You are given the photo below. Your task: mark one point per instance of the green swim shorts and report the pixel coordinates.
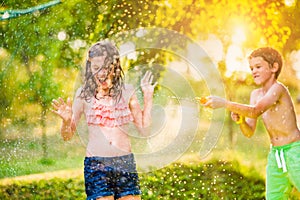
(283, 171)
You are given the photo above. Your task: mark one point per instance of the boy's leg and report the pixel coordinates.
(294, 165)
(277, 184)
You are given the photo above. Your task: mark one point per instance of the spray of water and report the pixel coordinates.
(176, 113)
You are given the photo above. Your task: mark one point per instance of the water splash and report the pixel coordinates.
(176, 112)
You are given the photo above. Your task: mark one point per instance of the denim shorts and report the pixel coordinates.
(110, 176)
(283, 171)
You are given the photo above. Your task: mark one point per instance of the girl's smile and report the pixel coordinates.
(103, 74)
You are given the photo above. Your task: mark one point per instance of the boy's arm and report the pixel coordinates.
(251, 111)
(248, 125)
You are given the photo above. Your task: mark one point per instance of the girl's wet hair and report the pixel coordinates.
(111, 62)
(270, 55)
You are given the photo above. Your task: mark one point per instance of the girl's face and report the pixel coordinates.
(103, 75)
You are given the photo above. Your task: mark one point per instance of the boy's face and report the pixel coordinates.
(103, 75)
(262, 71)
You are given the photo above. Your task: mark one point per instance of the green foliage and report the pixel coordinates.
(56, 188)
(47, 161)
(212, 180)
(36, 61)
(7, 88)
(40, 88)
(33, 41)
(116, 16)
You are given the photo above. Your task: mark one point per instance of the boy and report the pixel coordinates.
(273, 103)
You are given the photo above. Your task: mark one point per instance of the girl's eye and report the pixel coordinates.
(95, 68)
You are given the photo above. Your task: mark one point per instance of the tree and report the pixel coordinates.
(56, 38)
(47, 40)
(38, 48)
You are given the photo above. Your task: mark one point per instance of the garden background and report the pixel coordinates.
(42, 52)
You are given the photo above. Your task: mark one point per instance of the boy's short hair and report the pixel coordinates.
(270, 55)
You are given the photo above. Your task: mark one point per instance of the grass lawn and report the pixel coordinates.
(21, 152)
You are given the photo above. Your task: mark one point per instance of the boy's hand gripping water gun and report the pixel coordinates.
(202, 100)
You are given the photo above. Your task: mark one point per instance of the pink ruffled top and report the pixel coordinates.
(109, 115)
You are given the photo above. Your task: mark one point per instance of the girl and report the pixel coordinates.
(108, 106)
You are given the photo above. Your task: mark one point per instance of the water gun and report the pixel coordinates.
(202, 100)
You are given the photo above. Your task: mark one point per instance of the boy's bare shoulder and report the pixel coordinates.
(281, 86)
(276, 87)
(256, 92)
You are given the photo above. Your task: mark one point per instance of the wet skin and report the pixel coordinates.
(271, 101)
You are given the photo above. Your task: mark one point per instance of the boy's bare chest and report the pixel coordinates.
(276, 119)
(273, 113)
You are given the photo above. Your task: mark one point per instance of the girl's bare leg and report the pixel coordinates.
(130, 197)
(106, 198)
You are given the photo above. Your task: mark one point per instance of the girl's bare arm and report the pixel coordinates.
(142, 117)
(69, 114)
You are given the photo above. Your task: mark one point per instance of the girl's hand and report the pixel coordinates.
(146, 83)
(62, 109)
